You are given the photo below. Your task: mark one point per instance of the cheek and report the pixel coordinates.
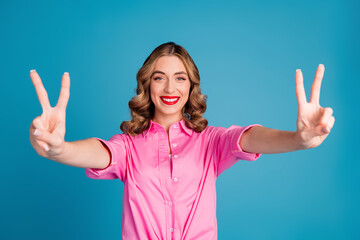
(186, 96)
(152, 92)
(186, 91)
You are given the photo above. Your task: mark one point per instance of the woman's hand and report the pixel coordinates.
(313, 122)
(47, 131)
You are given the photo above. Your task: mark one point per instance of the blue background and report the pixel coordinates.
(247, 53)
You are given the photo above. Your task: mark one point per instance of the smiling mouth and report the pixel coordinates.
(170, 101)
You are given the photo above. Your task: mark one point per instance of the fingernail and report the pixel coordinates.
(32, 70)
(37, 132)
(66, 73)
(46, 148)
(322, 65)
(298, 70)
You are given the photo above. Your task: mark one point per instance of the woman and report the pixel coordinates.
(167, 157)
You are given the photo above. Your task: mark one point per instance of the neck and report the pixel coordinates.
(167, 121)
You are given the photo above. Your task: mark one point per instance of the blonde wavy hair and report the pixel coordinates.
(143, 109)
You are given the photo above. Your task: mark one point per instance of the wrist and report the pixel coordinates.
(61, 152)
(300, 143)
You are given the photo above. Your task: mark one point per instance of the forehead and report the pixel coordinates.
(169, 64)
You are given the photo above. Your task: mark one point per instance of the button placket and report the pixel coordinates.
(174, 180)
(166, 173)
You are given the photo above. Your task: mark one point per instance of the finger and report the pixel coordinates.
(43, 145)
(315, 88)
(40, 133)
(299, 87)
(35, 138)
(325, 120)
(44, 136)
(40, 90)
(37, 123)
(64, 92)
(331, 122)
(326, 115)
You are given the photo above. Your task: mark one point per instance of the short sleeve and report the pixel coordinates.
(117, 167)
(227, 147)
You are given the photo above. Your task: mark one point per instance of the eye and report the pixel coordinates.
(181, 78)
(157, 78)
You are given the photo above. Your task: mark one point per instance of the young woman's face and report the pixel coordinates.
(169, 87)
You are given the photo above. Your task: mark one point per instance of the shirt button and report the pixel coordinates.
(175, 156)
(175, 179)
(170, 203)
(171, 229)
(174, 145)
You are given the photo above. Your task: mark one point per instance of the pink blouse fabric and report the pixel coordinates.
(171, 196)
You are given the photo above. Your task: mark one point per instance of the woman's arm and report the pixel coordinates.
(259, 139)
(87, 153)
(47, 132)
(313, 124)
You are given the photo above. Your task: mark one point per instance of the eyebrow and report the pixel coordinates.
(177, 73)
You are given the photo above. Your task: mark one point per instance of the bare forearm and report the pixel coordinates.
(47, 132)
(87, 153)
(259, 139)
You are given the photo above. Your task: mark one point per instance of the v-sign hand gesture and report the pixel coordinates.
(313, 122)
(47, 131)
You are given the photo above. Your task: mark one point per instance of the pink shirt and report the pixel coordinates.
(171, 197)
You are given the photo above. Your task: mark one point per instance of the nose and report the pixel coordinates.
(169, 86)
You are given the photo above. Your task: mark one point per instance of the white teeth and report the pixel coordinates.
(170, 99)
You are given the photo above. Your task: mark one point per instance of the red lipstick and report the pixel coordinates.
(169, 100)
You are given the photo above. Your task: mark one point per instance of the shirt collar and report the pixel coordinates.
(154, 125)
(188, 130)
